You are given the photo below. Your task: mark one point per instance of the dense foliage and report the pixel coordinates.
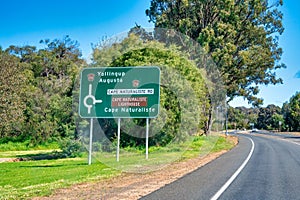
(37, 85)
(183, 101)
(271, 117)
(241, 37)
(291, 113)
(36, 91)
(12, 95)
(241, 117)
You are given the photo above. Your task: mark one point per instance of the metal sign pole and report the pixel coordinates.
(91, 141)
(119, 134)
(147, 136)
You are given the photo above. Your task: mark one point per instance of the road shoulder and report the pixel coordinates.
(134, 186)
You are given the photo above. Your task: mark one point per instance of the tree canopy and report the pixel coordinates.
(271, 117)
(268, 117)
(241, 36)
(12, 94)
(36, 90)
(183, 90)
(292, 112)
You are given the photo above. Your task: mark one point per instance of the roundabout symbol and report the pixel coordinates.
(90, 96)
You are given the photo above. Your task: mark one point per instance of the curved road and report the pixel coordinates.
(272, 172)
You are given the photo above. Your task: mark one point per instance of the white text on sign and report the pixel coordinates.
(129, 91)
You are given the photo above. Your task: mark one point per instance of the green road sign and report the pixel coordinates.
(119, 92)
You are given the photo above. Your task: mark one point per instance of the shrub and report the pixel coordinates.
(71, 148)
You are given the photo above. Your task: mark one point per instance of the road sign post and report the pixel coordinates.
(147, 136)
(119, 92)
(118, 142)
(91, 141)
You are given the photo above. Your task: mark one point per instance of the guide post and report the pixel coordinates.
(119, 135)
(91, 141)
(147, 136)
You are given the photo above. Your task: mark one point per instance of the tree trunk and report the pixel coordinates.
(208, 123)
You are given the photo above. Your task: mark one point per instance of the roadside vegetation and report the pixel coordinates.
(271, 117)
(38, 85)
(27, 179)
(39, 93)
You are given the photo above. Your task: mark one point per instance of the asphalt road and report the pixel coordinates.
(272, 172)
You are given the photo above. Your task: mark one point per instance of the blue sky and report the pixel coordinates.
(27, 22)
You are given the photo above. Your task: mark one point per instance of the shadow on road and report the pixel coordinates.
(292, 137)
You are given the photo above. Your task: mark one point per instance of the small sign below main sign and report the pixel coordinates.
(119, 92)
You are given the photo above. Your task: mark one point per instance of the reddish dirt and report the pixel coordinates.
(10, 159)
(133, 186)
(6, 160)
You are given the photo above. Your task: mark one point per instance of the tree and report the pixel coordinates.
(266, 117)
(235, 118)
(182, 115)
(13, 85)
(241, 117)
(277, 121)
(51, 75)
(241, 37)
(292, 112)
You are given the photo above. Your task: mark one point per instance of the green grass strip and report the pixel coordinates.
(27, 179)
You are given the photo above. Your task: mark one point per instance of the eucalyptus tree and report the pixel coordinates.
(268, 117)
(51, 75)
(241, 37)
(13, 85)
(291, 113)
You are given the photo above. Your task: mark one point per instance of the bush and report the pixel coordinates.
(71, 148)
(97, 146)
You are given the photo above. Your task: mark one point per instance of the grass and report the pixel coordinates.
(28, 153)
(24, 180)
(25, 146)
(134, 161)
(202, 146)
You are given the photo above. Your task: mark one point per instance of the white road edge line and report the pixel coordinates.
(226, 185)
